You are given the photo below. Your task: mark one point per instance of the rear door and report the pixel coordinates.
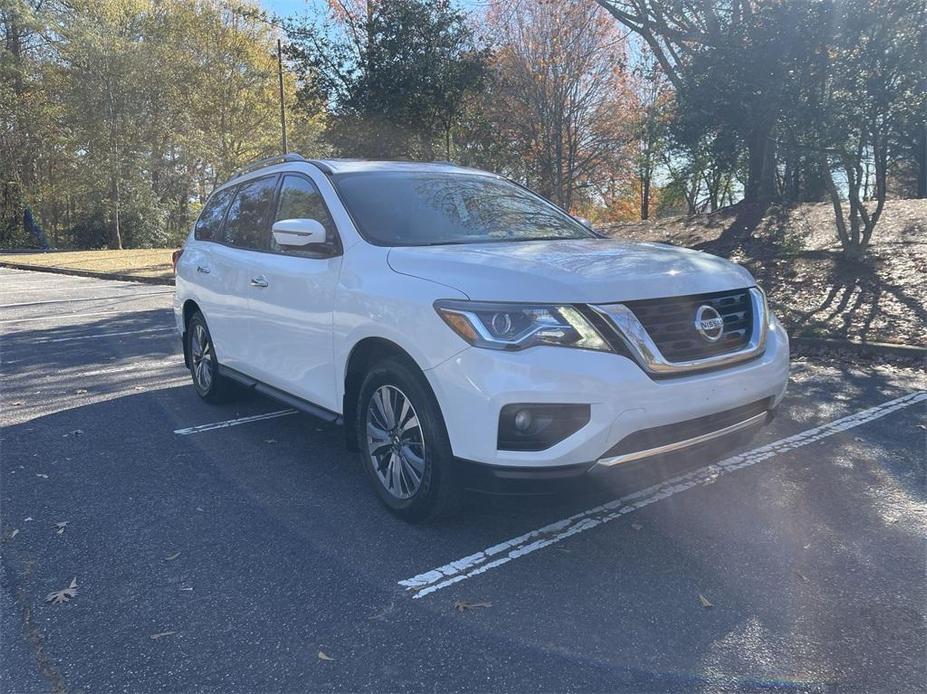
(235, 262)
(291, 314)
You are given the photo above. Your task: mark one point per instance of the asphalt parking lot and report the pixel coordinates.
(234, 557)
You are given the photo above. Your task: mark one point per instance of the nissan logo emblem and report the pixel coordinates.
(709, 323)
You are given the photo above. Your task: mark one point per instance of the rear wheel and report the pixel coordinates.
(204, 367)
(403, 443)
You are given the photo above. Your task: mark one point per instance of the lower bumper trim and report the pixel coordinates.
(755, 420)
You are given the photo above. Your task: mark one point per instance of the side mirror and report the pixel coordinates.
(298, 232)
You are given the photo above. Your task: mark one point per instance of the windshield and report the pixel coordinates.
(398, 208)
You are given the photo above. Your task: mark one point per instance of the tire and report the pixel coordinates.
(407, 457)
(204, 367)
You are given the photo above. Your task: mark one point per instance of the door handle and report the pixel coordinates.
(204, 270)
(259, 281)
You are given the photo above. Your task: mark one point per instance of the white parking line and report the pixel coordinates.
(127, 296)
(232, 422)
(59, 316)
(99, 335)
(137, 366)
(504, 552)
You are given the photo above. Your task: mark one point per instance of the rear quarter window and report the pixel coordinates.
(209, 224)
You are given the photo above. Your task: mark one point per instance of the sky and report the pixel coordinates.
(286, 8)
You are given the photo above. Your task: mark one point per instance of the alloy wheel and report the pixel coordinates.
(202, 356)
(395, 442)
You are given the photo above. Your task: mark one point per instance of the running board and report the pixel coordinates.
(296, 403)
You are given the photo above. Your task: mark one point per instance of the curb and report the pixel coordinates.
(90, 273)
(884, 349)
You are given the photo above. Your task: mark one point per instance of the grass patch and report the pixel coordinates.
(137, 262)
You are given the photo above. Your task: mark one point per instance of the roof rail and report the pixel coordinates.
(267, 161)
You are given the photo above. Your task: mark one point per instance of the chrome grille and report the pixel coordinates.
(670, 323)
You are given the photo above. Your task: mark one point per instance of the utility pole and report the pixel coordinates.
(280, 84)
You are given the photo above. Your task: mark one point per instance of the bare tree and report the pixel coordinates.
(561, 81)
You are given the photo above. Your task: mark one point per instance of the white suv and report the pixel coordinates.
(456, 323)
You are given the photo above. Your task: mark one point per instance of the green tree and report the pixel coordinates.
(394, 74)
(119, 116)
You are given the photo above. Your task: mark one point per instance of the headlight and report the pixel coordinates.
(519, 326)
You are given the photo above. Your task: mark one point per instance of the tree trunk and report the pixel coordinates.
(761, 171)
(834, 195)
(645, 198)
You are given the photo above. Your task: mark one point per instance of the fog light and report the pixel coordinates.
(523, 420)
(535, 427)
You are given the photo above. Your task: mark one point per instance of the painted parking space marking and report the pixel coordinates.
(110, 297)
(499, 554)
(102, 335)
(74, 314)
(137, 366)
(233, 422)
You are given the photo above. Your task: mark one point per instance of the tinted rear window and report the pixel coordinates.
(210, 221)
(424, 208)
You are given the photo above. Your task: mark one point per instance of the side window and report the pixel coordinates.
(246, 223)
(301, 199)
(210, 221)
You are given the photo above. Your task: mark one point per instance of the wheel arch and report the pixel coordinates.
(189, 308)
(362, 357)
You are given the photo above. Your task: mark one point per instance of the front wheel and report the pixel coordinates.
(403, 443)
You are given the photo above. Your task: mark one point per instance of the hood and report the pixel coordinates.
(569, 271)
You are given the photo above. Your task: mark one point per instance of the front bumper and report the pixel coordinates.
(473, 386)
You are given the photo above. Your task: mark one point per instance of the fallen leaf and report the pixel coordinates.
(27, 519)
(704, 601)
(199, 509)
(14, 533)
(162, 634)
(803, 577)
(77, 432)
(63, 595)
(80, 391)
(637, 526)
(323, 656)
(59, 527)
(42, 475)
(463, 605)
(18, 403)
(172, 557)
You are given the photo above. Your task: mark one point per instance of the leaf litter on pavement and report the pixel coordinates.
(64, 595)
